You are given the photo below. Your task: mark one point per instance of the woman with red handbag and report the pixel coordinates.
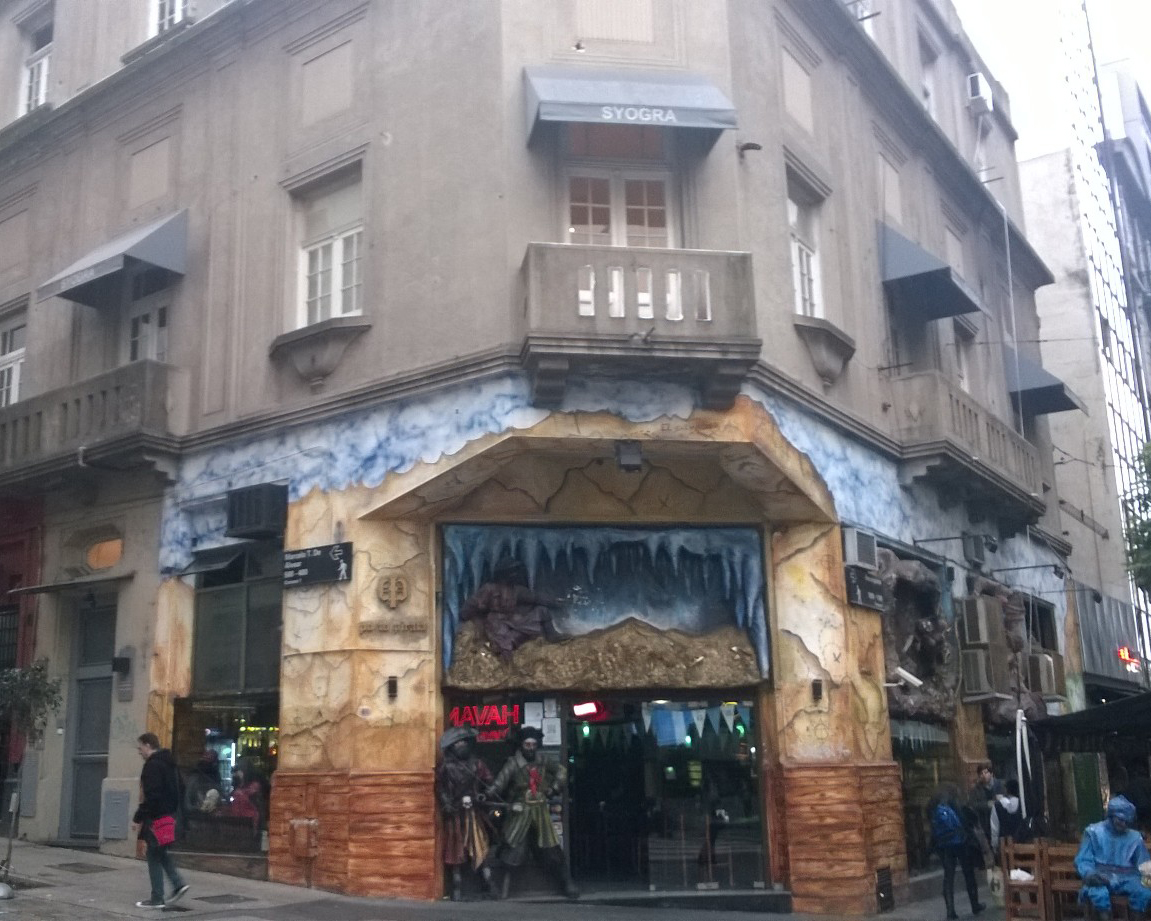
(156, 819)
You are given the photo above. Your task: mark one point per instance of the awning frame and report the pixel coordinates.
(161, 244)
(71, 585)
(1034, 390)
(921, 283)
(623, 97)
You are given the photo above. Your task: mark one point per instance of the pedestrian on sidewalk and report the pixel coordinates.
(956, 843)
(155, 819)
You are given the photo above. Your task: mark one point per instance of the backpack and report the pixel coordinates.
(946, 827)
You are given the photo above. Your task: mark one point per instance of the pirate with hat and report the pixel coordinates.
(461, 779)
(511, 612)
(525, 782)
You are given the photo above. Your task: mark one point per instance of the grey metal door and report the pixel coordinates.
(91, 716)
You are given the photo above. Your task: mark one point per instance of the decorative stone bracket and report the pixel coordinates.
(830, 347)
(316, 350)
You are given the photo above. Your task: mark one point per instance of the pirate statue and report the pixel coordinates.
(525, 782)
(461, 779)
(511, 612)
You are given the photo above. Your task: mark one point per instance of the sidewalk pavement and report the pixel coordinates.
(57, 884)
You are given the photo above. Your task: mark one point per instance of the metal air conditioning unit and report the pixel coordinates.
(257, 512)
(860, 549)
(979, 95)
(977, 678)
(976, 623)
(1042, 675)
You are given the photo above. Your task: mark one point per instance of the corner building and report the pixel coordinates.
(671, 302)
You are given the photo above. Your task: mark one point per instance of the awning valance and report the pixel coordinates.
(625, 97)
(95, 279)
(212, 559)
(1035, 390)
(1122, 725)
(922, 284)
(71, 585)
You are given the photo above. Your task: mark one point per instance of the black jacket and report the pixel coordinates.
(159, 787)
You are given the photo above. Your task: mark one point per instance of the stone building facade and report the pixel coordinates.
(707, 293)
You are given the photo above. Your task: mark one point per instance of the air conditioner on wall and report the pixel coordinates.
(257, 512)
(975, 627)
(860, 549)
(977, 680)
(1041, 673)
(979, 94)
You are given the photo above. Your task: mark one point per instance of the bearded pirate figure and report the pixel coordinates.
(525, 782)
(461, 779)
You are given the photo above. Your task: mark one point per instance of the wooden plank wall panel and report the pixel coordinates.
(393, 849)
(377, 833)
(853, 811)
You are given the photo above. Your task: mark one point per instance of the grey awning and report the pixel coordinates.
(1035, 390)
(920, 283)
(212, 559)
(70, 585)
(95, 280)
(625, 97)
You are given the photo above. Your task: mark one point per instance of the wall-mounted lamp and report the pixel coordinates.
(816, 690)
(745, 146)
(629, 456)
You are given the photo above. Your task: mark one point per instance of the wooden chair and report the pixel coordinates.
(1023, 899)
(1063, 885)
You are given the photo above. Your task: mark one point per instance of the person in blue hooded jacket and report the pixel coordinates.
(1108, 861)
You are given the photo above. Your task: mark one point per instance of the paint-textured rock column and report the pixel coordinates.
(839, 784)
(352, 807)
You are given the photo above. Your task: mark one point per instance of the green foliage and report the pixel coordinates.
(27, 697)
(1137, 507)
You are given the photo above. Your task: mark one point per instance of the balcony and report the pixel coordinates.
(966, 452)
(114, 421)
(684, 315)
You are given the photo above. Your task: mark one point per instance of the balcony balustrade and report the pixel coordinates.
(970, 453)
(623, 311)
(105, 421)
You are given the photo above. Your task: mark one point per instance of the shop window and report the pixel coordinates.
(331, 241)
(237, 629)
(104, 553)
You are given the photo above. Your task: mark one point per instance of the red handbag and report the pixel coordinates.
(164, 830)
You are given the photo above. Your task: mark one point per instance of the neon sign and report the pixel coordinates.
(491, 720)
(1132, 662)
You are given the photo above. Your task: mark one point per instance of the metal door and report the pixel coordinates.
(90, 715)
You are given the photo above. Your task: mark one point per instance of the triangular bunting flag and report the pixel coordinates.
(699, 717)
(713, 718)
(679, 723)
(645, 707)
(728, 713)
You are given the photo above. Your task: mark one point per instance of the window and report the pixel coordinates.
(12, 330)
(166, 14)
(331, 251)
(34, 78)
(236, 642)
(928, 65)
(890, 193)
(963, 345)
(9, 633)
(955, 253)
(146, 323)
(612, 200)
(803, 227)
